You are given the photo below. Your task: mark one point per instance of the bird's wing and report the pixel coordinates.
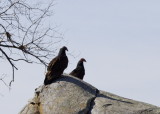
(53, 63)
(75, 71)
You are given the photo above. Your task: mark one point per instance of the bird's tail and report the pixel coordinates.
(48, 78)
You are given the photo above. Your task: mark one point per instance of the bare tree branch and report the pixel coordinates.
(25, 34)
(2, 79)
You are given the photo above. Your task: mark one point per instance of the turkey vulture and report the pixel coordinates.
(56, 66)
(79, 71)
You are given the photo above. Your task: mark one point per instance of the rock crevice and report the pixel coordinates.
(92, 102)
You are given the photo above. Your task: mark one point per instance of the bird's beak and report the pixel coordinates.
(85, 61)
(67, 49)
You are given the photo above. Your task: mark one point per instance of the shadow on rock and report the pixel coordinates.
(87, 87)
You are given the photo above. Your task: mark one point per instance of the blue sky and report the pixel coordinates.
(120, 40)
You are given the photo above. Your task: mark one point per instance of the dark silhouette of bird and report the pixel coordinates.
(8, 36)
(79, 71)
(56, 66)
(23, 47)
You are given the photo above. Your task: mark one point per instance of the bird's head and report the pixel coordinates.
(83, 60)
(64, 48)
(62, 51)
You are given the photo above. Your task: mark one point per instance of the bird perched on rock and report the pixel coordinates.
(79, 71)
(56, 66)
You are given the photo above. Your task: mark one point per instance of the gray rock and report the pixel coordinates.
(107, 103)
(69, 95)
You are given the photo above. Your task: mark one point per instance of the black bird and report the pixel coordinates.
(8, 36)
(79, 71)
(56, 66)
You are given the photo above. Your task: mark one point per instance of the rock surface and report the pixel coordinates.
(69, 95)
